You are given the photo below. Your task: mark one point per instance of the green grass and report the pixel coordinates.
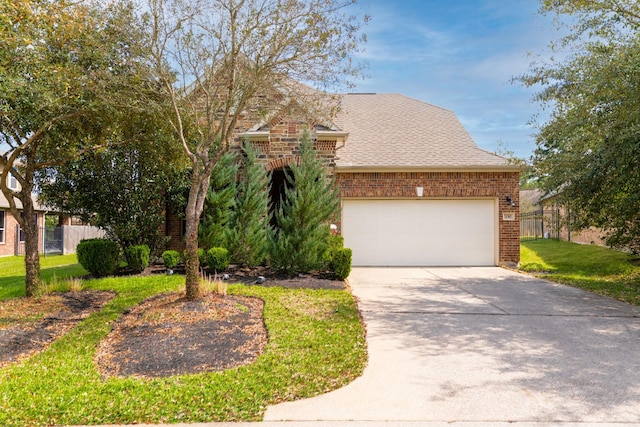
(58, 266)
(316, 344)
(593, 268)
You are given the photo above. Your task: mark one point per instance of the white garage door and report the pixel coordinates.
(420, 232)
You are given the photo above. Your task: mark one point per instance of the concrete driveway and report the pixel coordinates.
(484, 345)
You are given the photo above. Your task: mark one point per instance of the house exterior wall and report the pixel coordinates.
(11, 246)
(447, 185)
(8, 247)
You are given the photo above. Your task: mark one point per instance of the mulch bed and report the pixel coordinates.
(23, 339)
(165, 335)
(317, 280)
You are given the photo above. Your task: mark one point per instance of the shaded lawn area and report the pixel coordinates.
(316, 344)
(12, 272)
(593, 268)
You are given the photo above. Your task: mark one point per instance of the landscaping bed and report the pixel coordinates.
(28, 325)
(97, 373)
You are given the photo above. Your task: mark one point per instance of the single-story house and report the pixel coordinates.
(415, 188)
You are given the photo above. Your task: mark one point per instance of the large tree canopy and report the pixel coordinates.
(68, 71)
(122, 188)
(218, 62)
(588, 152)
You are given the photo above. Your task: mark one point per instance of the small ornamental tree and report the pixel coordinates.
(224, 55)
(300, 238)
(248, 232)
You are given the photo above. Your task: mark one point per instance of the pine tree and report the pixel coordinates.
(302, 220)
(248, 232)
(219, 204)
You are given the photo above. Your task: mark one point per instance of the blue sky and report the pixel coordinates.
(460, 55)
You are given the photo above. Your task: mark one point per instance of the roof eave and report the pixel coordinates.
(460, 168)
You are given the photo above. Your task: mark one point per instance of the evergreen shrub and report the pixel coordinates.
(217, 259)
(170, 258)
(98, 256)
(137, 257)
(341, 262)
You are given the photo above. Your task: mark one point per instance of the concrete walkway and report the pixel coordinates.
(481, 347)
(485, 345)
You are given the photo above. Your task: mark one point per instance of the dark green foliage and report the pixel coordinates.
(218, 207)
(341, 262)
(248, 231)
(217, 259)
(137, 257)
(170, 258)
(300, 239)
(99, 257)
(587, 151)
(119, 187)
(334, 242)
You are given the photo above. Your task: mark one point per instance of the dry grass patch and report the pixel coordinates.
(27, 311)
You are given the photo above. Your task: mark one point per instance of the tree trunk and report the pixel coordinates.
(31, 253)
(195, 205)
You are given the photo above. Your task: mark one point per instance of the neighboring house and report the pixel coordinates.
(63, 239)
(587, 236)
(415, 188)
(11, 235)
(558, 217)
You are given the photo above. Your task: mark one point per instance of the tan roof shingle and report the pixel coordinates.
(390, 131)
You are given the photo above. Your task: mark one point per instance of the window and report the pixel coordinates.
(13, 182)
(2, 226)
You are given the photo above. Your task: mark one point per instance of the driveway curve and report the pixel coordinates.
(484, 345)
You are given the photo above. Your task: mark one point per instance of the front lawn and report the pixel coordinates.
(593, 268)
(316, 344)
(58, 266)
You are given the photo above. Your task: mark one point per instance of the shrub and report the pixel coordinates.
(334, 242)
(137, 257)
(341, 262)
(217, 259)
(98, 256)
(170, 258)
(248, 227)
(311, 199)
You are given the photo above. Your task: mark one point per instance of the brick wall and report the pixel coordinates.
(284, 140)
(442, 185)
(8, 247)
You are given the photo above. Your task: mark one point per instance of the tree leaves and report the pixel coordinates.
(589, 150)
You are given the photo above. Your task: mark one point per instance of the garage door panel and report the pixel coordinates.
(420, 232)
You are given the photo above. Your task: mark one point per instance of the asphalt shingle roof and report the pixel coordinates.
(391, 131)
